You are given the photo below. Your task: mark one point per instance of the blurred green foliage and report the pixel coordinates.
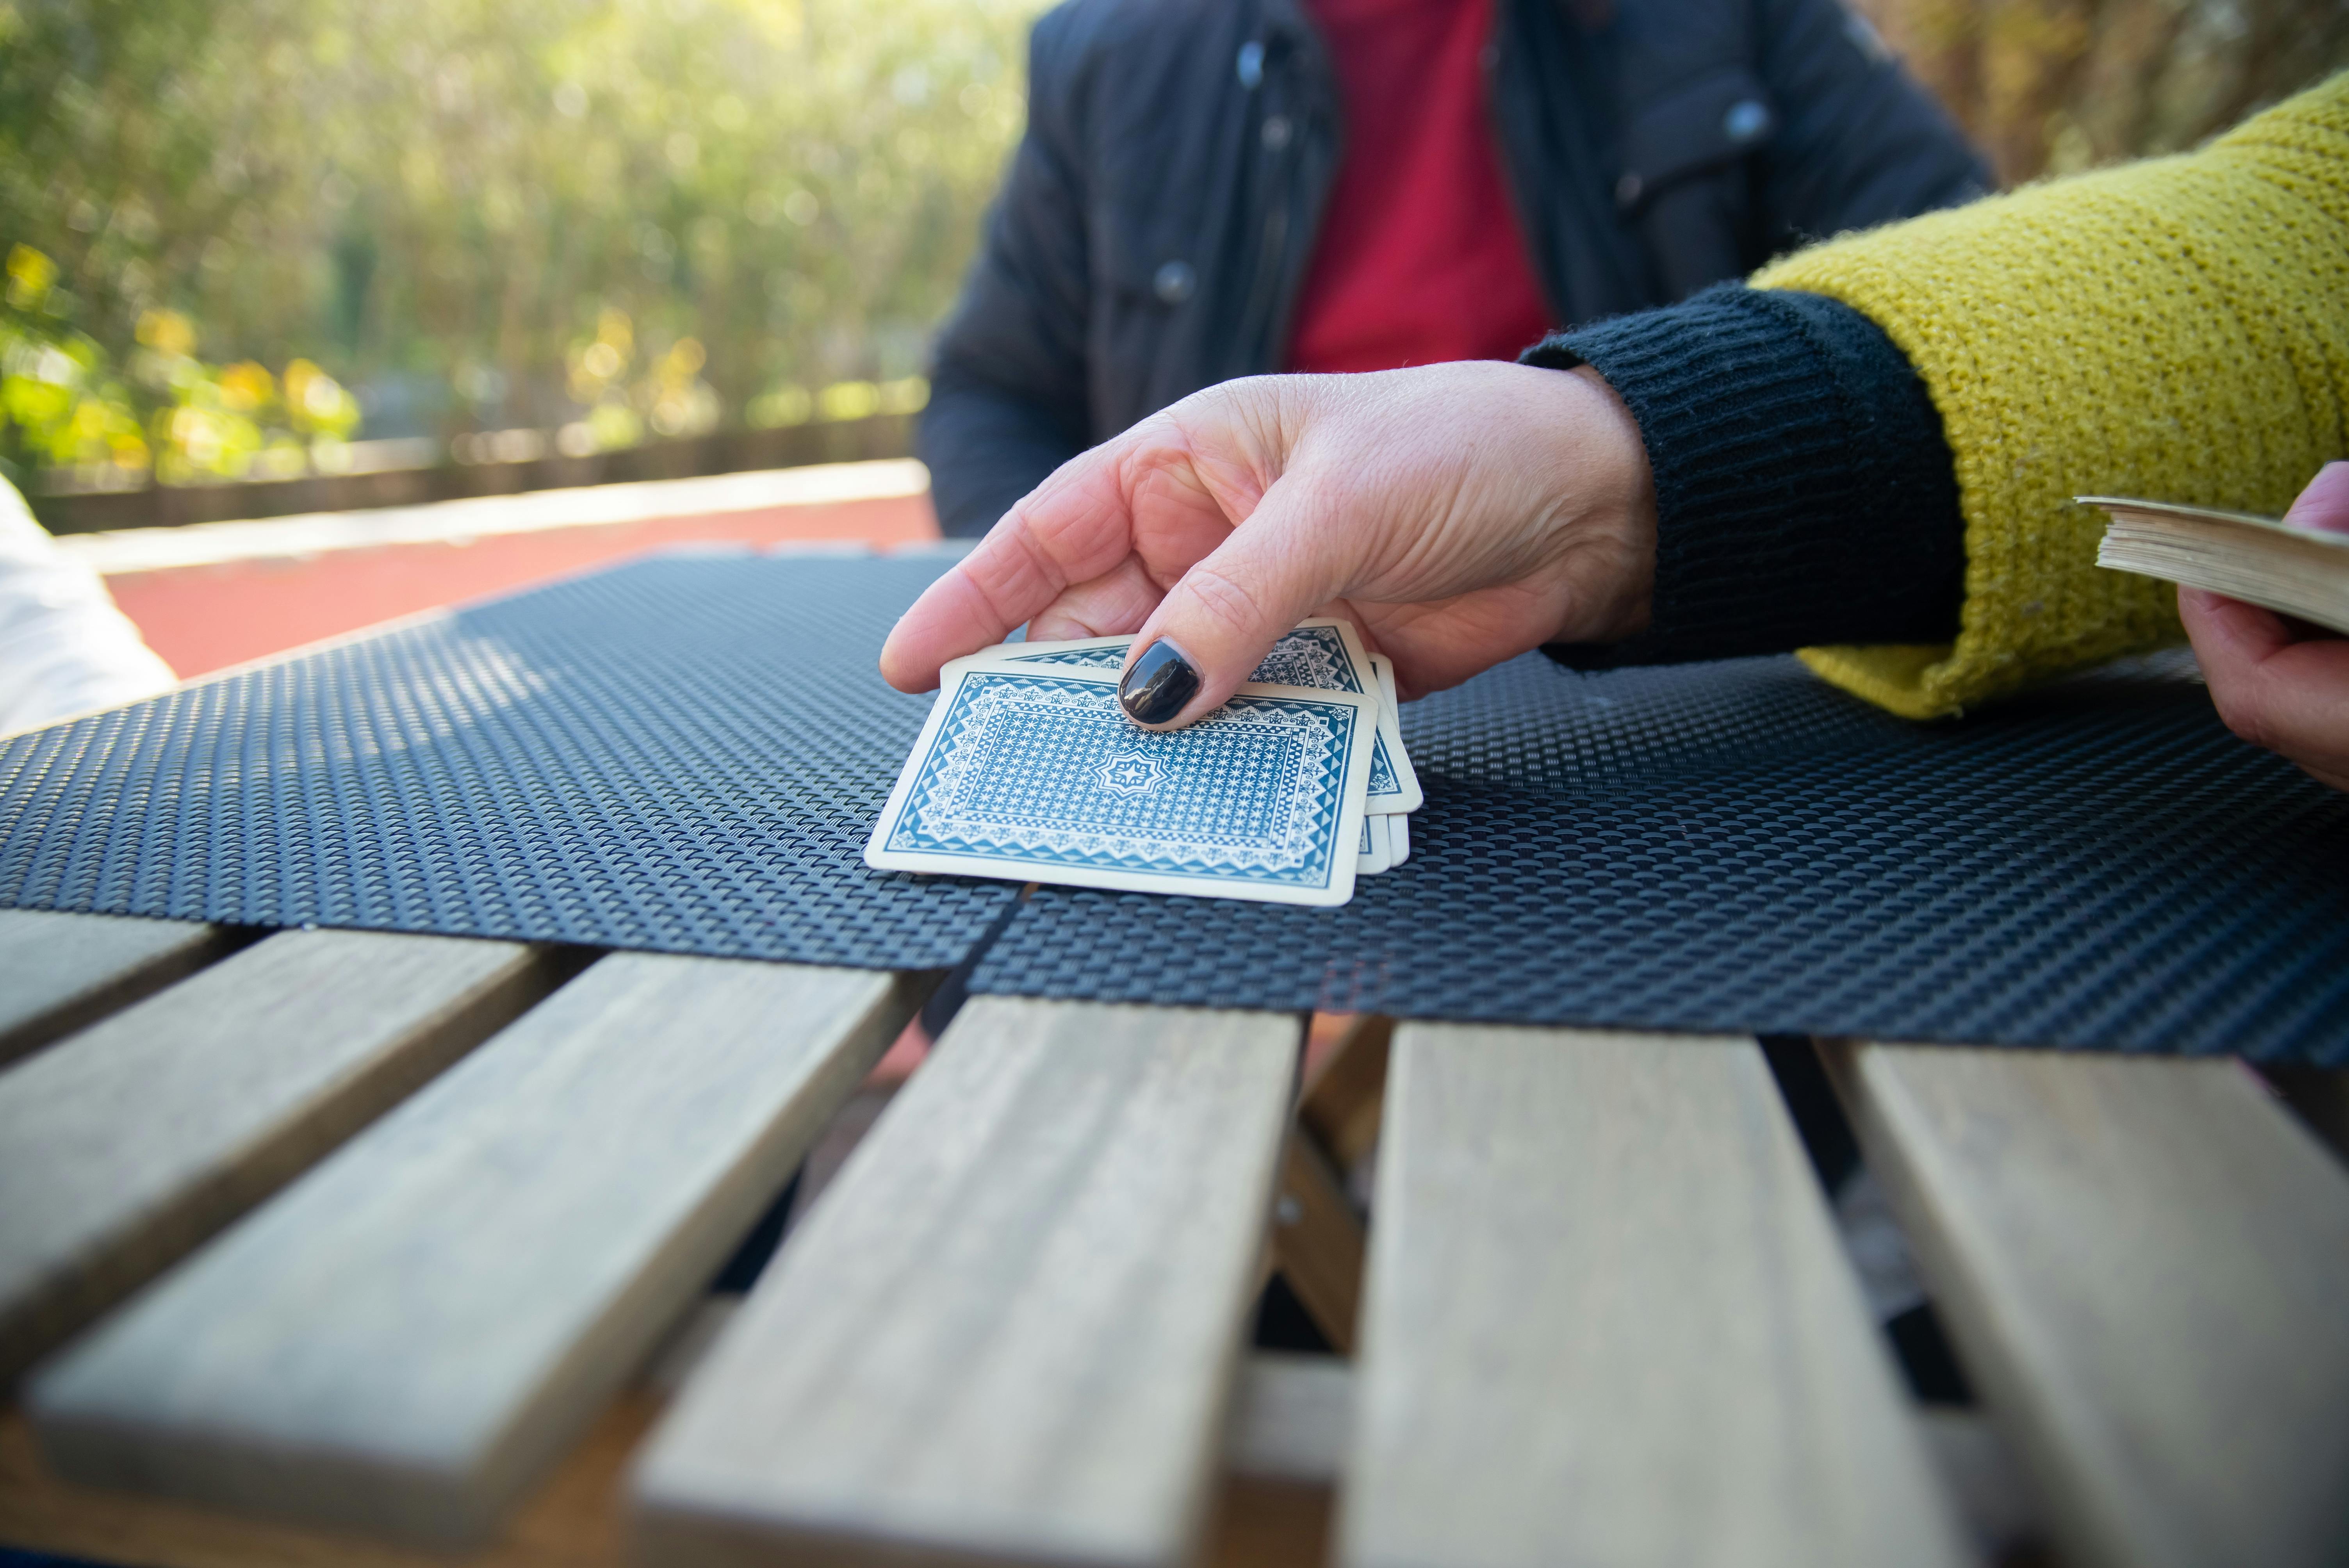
(63, 405)
(612, 217)
(616, 219)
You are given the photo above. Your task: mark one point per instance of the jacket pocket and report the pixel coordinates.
(1701, 125)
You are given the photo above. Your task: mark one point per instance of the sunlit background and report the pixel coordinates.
(266, 238)
(246, 233)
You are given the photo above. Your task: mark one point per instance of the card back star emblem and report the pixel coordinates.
(1129, 773)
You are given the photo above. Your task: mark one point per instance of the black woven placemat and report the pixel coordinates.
(1738, 847)
(683, 754)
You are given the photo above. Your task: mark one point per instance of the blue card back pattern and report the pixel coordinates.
(1104, 659)
(1311, 656)
(1037, 769)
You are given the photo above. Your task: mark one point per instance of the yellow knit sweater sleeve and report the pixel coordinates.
(2176, 328)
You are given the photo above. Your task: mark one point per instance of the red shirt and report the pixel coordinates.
(1420, 258)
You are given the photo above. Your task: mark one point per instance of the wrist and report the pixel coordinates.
(1804, 492)
(1605, 497)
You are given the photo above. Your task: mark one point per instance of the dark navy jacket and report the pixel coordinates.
(1155, 225)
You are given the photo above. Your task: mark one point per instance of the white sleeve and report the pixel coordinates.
(65, 649)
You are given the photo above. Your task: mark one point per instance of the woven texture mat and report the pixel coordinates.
(1737, 847)
(684, 754)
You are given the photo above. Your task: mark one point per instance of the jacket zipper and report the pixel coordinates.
(1277, 309)
(1262, 301)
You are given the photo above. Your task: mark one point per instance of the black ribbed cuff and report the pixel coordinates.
(1804, 493)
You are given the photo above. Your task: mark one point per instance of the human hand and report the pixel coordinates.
(1459, 514)
(2275, 686)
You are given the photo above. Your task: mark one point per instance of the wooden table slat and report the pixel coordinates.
(1608, 1320)
(2145, 1266)
(60, 971)
(574, 1520)
(126, 1146)
(402, 1341)
(1009, 1331)
(1281, 1445)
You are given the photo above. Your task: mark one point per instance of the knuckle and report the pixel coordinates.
(1226, 603)
(2248, 718)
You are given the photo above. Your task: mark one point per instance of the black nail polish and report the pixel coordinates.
(1158, 683)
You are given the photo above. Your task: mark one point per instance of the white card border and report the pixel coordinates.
(1390, 714)
(1340, 888)
(1379, 682)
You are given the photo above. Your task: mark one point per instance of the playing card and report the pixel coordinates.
(1375, 854)
(1324, 654)
(1033, 772)
(1406, 780)
(1398, 839)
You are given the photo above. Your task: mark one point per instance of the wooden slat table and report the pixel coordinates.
(1610, 1322)
(341, 1248)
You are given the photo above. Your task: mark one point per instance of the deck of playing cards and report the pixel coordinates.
(1029, 769)
(2262, 560)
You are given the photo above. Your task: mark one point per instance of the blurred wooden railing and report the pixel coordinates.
(728, 451)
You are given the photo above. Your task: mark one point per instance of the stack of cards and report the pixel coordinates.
(1029, 769)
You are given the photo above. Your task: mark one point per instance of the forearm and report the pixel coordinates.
(986, 448)
(1885, 482)
(1804, 493)
(65, 649)
(2176, 328)
(1007, 379)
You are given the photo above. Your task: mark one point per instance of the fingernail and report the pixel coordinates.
(1158, 683)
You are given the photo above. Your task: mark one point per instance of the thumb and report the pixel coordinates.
(1215, 626)
(2324, 504)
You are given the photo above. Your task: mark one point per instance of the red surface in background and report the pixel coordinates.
(205, 618)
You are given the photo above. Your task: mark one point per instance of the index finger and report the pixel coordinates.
(2289, 696)
(1074, 527)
